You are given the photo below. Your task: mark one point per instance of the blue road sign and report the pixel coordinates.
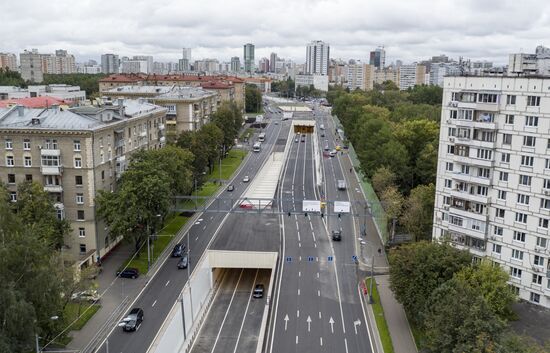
(354, 258)
(310, 258)
(288, 259)
(330, 258)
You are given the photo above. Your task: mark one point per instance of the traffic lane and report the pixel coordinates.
(309, 175)
(249, 328)
(204, 343)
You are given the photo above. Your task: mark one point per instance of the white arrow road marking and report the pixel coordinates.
(286, 320)
(308, 323)
(355, 324)
(297, 313)
(331, 322)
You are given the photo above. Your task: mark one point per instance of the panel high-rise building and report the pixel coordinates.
(185, 61)
(317, 58)
(110, 64)
(272, 60)
(31, 66)
(378, 58)
(248, 57)
(8, 61)
(235, 64)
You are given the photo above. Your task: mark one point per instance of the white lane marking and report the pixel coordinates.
(356, 323)
(300, 258)
(311, 226)
(331, 322)
(203, 228)
(153, 303)
(299, 273)
(346, 345)
(200, 219)
(317, 274)
(167, 283)
(298, 291)
(318, 293)
(299, 237)
(320, 317)
(197, 238)
(227, 311)
(296, 339)
(299, 245)
(321, 340)
(314, 239)
(297, 313)
(315, 244)
(246, 311)
(197, 222)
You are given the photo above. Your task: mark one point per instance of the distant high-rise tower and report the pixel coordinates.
(110, 64)
(235, 64)
(31, 66)
(248, 57)
(272, 61)
(317, 58)
(378, 58)
(185, 61)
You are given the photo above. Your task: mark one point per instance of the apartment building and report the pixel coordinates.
(8, 61)
(110, 64)
(31, 66)
(317, 58)
(188, 108)
(72, 95)
(411, 75)
(74, 153)
(59, 63)
(493, 176)
(360, 76)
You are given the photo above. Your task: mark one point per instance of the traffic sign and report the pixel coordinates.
(288, 259)
(311, 206)
(330, 258)
(354, 258)
(310, 258)
(342, 207)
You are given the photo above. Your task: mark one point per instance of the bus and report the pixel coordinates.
(261, 138)
(256, 147)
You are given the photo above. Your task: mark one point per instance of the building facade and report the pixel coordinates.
(319, 82)
(74, 154)
(110, 64)
(248, 58)
(8, 61)
(360, 76)
(493, 176)
(378, 58)
(31, 66)
(235, 64)
(317, 58)
(411, 75)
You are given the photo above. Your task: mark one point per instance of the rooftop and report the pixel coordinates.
(33, 102)
(165, 92)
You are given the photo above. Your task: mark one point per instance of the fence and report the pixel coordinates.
(376, 209)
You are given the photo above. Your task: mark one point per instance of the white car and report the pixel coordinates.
(332, 153)
(246, 179)
(89, 295)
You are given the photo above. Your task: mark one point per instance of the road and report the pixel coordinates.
(162, 291)
(317, 303)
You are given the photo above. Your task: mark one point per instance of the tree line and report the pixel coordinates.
(459, 306)
(396, 135)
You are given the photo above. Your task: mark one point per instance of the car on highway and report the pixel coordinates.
(184, 261)
(133, 320)
(327, 148)
(230, 187)
(322, 134)
(246, 179)
(296, 139)
(337, 148)
(178, 251)
(89, 295)
(336, 235)
(128, 272)
(276, 123)
(332, 153)
(303, 138)
(258, 291)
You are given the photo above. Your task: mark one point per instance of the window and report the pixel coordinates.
(517, 254)
(499, 212)
(503, 176)
(101, 142)
(446, 200)
(9, 161)
(534, 297)
(533, 101)
(448, 183)
(11, 178)
(547, 163)
(519, 236)
(537, 279)
(546, 184)
(13, 196)
(545, 203)
(80, 199)
(9, 144)
(531, 121)
(50, 161)
(538, 261)
(505, 157)
(78, 180)
(509, 119)
(529, 141)
(527, 161)
(523, 199)
(76, 145)
(497, 249)
(524, 180)
(521, 217)
(482, 190)
(82, 248)
(543, 223)
(81, 232)
(449, 166)
(26, 144)
(498, 231)
(510, 99)
(465, 169)
(506, 139)
(463, 151)
(484, 172)
(514, 289)
(501, 195)
(541, 242)
(487, 98)
(28, 177)
(27, 161)
(78, 162)
(80, 215)
(463, 133)
(51, 144)
(484, 153)
(451, 149)
(515, 272)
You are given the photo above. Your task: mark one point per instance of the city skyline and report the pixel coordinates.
(354, 29)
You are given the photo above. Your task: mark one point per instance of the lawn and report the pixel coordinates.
(248, 132)
(229, 165)
(71, 313)
(380, 319)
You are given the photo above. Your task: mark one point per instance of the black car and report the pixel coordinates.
(336, 235)
(178, 251)
(230, 187)
(128, 272)
(258, 291)
(183, 262)
(133, 320)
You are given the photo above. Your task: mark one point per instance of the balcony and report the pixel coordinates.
(161, 127)
(470, 197)
(469, 214)
(162, 140)
(53, 188)
(471, 179)
(483, 144)
(489, 107)
(51, 170)
(50, 152)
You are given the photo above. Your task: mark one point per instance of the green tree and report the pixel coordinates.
(253, 99)
(491, 283)
(87, 82)
(513, 343)
(426, 94)
(386, 86)
(35, 209)
(207, 143)
(426, 164)
(457, 320)
(11, 78)
(382, 179)
(417, 269)
(229, 119)
(185, 139)
(410, 111)
(392, 201)
(417, 217)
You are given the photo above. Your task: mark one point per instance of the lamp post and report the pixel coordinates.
(150, 249)
(37, 338)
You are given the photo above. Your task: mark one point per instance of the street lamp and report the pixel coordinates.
(36, 337)
(149, 248)
(364, 243)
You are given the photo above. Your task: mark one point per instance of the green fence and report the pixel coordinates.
(377, 211)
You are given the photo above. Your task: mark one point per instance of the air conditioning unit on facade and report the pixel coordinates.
(546, 192)
(446, 207)
(451, 139)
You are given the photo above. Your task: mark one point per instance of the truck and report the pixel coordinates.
(287, 115)
(341, 184)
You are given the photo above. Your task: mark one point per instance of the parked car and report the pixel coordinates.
(246, 179)
(89, 295)
(178, 250)
(184, 261)
(230, 187)
(133, 320)
(128, 272)
(336, 235)
(258, 291)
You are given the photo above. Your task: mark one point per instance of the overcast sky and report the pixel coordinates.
(410, 30)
